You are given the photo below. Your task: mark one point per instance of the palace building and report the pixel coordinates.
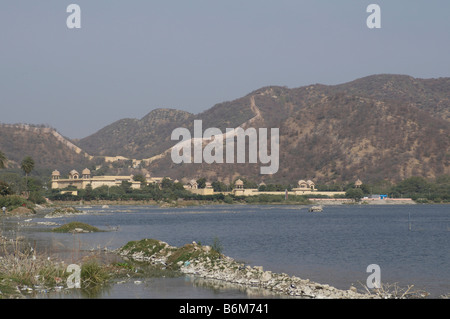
(303, 188)
(80, 181)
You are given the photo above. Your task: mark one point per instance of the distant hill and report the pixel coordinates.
(430, 95)
(377, 127)
(45, 145)
(133, 138)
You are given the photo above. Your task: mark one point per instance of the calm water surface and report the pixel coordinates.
(410, 243)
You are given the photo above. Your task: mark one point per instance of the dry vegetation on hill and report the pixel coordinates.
(374, 128)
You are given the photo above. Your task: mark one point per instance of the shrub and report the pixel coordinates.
(13, 201)
(5, 189)
(93, 275)
(36, 198)
(217, 246)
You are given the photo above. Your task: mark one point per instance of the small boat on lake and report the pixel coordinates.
(316, 209)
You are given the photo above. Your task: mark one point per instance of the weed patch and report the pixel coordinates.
(75, 227)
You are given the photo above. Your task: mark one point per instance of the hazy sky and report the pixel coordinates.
(130, 57)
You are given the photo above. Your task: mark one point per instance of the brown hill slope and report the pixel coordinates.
(377, 127)
(45, 145)
(133, 138)
(149, 136)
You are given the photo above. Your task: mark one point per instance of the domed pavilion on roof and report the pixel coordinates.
(86, 178)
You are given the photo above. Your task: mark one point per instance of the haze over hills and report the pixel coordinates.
(377, 127)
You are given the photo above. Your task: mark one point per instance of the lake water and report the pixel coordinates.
(410, 243)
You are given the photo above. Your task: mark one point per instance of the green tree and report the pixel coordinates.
(365, 188)
(27, 166)
(15, 181)
(36, 197)
(262, 188)
(178, 186)
(140, 178)
(3, 160)
(201, 182)
(4, 189)
(219, 186)
(89, 192)
(413, 186)
(166, 183)
(126, 186)
(101, 192)
(354, 193)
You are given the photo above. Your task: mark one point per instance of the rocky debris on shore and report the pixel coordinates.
(153, 251)
(204, 262)
(228, 270)
(64, 211)
(29, 223)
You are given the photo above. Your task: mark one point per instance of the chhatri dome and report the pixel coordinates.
(55, 174)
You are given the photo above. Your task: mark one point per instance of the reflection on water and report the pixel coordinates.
(219, 287)
(160, 288)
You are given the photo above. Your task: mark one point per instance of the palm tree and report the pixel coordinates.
(3, 160)
(27, 166)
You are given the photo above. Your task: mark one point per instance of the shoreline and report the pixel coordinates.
(22, 211)
(203, 262)
(189, 203)
(206, 263)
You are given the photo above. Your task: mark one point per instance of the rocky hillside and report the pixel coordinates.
(149, 136)
(133, 138)
(379, 127)
(45, 145)
(373, 128)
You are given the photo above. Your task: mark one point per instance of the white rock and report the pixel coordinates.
(266, 276)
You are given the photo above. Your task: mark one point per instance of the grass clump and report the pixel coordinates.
(24, 274)
(93, 274)
(183, 254)
(147, 247)
(140, 269)
(23, 271)
(168, 257)
(76, 227)
(192, 252)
